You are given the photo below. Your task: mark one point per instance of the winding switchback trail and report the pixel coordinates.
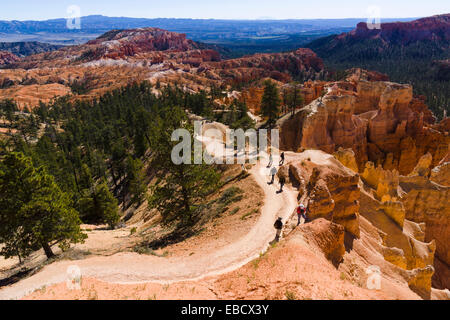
(132, 268)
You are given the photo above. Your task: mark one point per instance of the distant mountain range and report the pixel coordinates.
(241, 36)
(434, 29)
(23, 49)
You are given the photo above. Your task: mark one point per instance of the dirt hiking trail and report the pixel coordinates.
(132, 268)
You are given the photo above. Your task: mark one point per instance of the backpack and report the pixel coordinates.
(301, 211)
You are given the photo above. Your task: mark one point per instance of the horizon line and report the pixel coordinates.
(218, 19)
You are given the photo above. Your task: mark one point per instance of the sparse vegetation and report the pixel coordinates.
(290, 295)
(79, 87)
(231, 195)
(249, 214)
(234, 211)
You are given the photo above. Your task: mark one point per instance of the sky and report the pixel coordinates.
(224, 9)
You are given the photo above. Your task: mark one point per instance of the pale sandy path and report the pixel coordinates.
(132, 268)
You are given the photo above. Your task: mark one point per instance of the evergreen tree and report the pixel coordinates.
(97, 204)
(270, 102)
(241, 119)
(294, 98)
(107, 205)
(180, 189)
(135, 179)
(34, 212)
(7, 109)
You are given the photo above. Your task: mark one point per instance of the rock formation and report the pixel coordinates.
(429, 202)
(403, 241)
(357, 207)
(404, 199)
(122, 56)
(441, 174)
(330, 189)
(430, 28)
(7, 58)
(347, 158)
(378, 120)
(328, 236)
(433, 29)
(276, 66)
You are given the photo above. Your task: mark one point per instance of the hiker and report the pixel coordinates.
(282, 159)
(279, 227)
(270, 160)
(301, 212)
(273, 172)
(282, 183)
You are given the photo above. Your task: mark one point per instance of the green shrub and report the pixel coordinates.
(234, 211)
(233, 194)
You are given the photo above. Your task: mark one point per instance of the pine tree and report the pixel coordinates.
(135, 179)
(97, 204)
(241, 119)
(270, 102)
(34, 212)
(107, 205)
(180, 189)
(294, 98)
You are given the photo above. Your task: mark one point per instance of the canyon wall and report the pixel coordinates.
(379, 120)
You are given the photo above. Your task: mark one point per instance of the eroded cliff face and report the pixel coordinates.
(330, 189)
(441, 174)
(368, 215)
(378, 129)
(433, 29)
(252, 96)
(415, 204)
(428, 202)
(380, 121)
(430, 28)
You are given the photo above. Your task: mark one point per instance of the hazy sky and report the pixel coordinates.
(222, 9)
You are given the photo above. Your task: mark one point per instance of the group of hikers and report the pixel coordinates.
(274, 171)
(302, 212)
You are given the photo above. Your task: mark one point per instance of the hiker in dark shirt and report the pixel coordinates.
(282, 158)
(279, 227)
(282, 183)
